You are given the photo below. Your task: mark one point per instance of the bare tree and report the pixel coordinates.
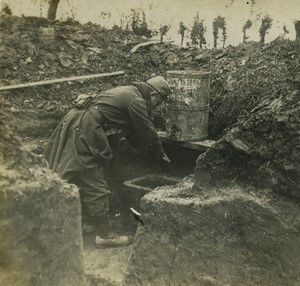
(182, 29)
(285, 30)
(163, 31)
(197, 33)
(139, 25)
(5, 10)
(247, 26)
(219, 23)
(266, 24)
(297, 28)
(53, 4)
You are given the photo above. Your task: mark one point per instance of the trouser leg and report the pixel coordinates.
(94, 196)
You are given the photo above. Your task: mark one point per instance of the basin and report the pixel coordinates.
(138, 187)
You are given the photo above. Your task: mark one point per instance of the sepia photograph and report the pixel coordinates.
(150, 143)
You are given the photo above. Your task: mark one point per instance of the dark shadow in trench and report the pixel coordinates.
(128, 165)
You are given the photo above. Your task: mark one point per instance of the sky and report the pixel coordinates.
(171, 12)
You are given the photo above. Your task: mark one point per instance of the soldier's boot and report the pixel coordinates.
(105, 238)
(113, 240)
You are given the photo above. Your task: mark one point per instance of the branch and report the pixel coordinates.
(135, 48)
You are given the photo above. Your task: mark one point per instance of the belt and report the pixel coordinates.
(94, 109)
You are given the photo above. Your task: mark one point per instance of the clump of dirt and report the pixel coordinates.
(13, 156)
(262, 150)
(250, 74)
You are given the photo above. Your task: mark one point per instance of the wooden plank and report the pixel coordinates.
(145, 44)
(203, 145)
(51, 81)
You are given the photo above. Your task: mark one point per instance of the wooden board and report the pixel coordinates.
(203, 145)
(52, 81)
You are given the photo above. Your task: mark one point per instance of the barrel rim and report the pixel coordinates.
(183, 73)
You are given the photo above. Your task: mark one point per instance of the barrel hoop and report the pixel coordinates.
(188, 108)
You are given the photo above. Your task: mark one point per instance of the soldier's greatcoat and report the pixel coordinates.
(79, 146)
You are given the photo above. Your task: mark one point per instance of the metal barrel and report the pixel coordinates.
(187, 114)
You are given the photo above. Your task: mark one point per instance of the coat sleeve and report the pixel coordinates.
(144, 132)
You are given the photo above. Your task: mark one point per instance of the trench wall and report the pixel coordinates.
(216, 237)
(40, 226)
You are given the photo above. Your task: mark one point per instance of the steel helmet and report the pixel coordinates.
(160, 85)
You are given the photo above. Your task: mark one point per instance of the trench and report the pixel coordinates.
(131, 177)
(148, 173)
(108, 266)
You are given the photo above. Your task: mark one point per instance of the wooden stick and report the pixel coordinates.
(135, 48)
(51, 81)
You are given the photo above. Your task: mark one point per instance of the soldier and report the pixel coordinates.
(78, 150)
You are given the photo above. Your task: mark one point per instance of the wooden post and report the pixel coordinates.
(51, 81)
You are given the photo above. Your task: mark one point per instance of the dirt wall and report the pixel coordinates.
(40, 218)
(41, 241)
(262, 151)
(227, 236)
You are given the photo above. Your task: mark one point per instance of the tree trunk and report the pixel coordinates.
(244, 36)
(52, 9)
(215, 39)
(297, 28)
